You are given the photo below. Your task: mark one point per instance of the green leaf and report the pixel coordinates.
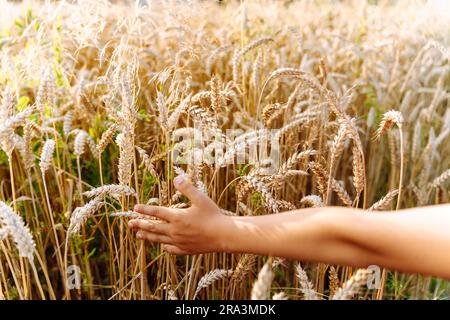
(256, 199)
(90, 254)
(3, 158)
(92, 132)
(59, 75)
(48, 110)
(30, 14)
(18, 23)
(243, 170)
(144, 115)
(23, 103)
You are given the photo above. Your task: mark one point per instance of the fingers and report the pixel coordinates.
(158, 212)
(174, 249)
(196, 196)
(155, 227)
(153, 237)
(167, 242)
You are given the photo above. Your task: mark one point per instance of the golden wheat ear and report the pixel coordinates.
(375, 136)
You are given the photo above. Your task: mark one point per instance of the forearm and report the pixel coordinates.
(311, 234)
(406, 241)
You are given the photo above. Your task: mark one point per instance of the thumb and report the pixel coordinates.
(196, 196)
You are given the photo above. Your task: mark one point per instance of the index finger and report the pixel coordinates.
(155, 211)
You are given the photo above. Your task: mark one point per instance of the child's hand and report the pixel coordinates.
(184, 231)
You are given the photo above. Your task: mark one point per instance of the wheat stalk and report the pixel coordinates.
(389, 119)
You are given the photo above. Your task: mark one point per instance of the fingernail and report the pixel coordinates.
(131, 224)
(178, 180)
(140, 236)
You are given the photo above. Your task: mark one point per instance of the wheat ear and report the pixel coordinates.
(384, 202)
(436, 183)
(211, 277)
(306, 286)
(353, 286)
(261, 287)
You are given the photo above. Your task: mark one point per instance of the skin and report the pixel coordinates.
(411, 240)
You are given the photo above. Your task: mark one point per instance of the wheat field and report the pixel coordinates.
(102, 105)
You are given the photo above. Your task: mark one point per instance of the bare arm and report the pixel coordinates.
(412, 240)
